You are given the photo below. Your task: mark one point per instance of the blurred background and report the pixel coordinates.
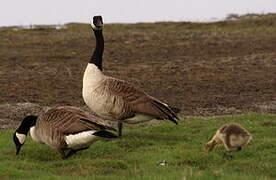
(17, 12)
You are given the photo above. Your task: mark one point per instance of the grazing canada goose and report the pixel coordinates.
(233, 136)
(115, 99)
(64, 128)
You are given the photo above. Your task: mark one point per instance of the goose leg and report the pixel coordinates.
(120, 127)
(230, 156)
(62, 153)
(73, 151)
(70, 153)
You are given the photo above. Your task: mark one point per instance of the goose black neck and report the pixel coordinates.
(27, 123)
(98, 51)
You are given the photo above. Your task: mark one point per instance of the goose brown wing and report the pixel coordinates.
(139, 101)
(71, 120)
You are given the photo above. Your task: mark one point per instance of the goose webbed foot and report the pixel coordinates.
(228, 156)
(70, 153)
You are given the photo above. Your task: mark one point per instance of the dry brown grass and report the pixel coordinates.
(194, 66)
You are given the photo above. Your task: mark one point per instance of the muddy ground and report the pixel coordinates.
(203, 68)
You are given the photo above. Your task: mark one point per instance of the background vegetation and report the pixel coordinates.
(204, 68)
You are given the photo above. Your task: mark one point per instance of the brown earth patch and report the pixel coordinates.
(203, 68)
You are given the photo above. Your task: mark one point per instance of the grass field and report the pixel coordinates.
(221, 68)
(138, 154)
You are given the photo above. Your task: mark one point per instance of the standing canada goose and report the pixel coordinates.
(233, 136)
(115, 99)
(64, 128)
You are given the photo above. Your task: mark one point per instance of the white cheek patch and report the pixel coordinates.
(21, 137)
(95, 27)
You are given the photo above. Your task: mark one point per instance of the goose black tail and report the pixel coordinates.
(173, 120)
(105, 134)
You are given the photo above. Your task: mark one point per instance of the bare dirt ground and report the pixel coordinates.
(203, 68)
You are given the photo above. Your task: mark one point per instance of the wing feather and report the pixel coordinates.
(72, 120)
(139, 101)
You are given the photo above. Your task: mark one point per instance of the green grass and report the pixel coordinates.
(138, 153)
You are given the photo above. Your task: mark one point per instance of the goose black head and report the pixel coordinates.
(19, 136)
(97, 23)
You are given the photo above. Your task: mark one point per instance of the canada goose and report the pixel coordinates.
(233, 136)
(115, 99)
(64, 128)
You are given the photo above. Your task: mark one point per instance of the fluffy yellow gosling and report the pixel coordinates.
(233, 136)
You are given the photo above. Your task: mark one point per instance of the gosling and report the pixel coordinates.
(233, 136)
